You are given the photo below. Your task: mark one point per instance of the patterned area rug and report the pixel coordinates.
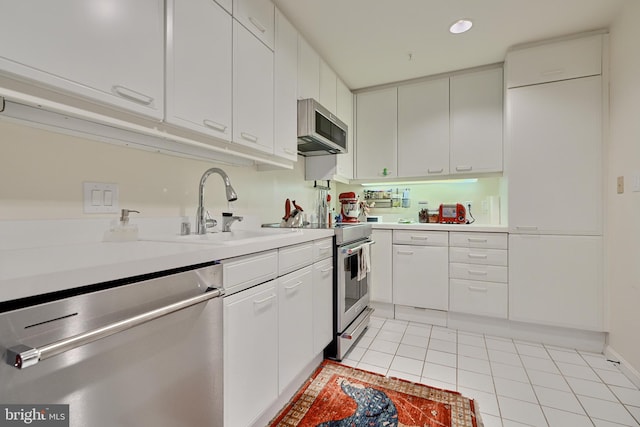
(340, 396)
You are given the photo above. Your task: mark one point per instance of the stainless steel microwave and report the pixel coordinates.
(319, 131)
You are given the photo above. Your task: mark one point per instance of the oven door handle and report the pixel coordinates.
(350, 251)
(22, 356)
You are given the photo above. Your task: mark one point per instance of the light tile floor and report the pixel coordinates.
(516, 383)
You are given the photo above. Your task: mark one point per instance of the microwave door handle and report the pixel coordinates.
(22, 356)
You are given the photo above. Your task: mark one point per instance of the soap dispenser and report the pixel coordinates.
(123, 231)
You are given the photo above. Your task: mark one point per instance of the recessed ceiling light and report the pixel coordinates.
(460, 26)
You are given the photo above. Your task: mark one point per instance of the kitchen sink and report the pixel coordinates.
(234, 237)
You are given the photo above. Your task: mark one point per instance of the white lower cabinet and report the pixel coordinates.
(273, 330)
(381, 277)
(295, 324)
(250, 353)
(322, 304)
(420, 272)
(556, 280)
(478, 274)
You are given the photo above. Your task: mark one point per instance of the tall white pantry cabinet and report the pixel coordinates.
(554, 168)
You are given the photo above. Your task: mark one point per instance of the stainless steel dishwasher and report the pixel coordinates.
(147, 353)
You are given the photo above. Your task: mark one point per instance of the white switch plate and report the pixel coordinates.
(635, 182)
(100, 197)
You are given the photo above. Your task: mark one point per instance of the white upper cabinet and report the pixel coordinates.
(344, 110)
(113, 55)
(376, 133)
(199, 67)
(423, 128)
(285, 89)
(476, 122)
(555, 161)
(328, 87)
(308, 71)
(568, 59)
(258, 17)
(252, 91)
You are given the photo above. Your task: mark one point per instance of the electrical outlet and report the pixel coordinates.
(620, 185)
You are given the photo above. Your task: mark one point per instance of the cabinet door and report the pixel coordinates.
(322, 304)
(112, 54)
(252, 91)
(556, 280)
(476, 122)
(258, 17)
(328, 87)
(199, 67)
(376, 134)
(286, 86)
(295, 324)
(380, 277)
(344, 111)
(250, 353)
(423, 129)
(554, 169)
(308, 71)
(421, 276)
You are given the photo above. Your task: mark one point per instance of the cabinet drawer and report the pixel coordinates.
(562, 60)
(420, 238)
(482, 298)
(291, 258)
(243, 272)
(478, 256)
(484, 273)
(322, 249)
(479, 240)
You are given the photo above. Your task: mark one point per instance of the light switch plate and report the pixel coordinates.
(100, 197)
(635, 182)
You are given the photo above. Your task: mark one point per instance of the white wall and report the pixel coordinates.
(41, 176)
(622, 227)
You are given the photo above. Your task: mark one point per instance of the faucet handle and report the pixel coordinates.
(209, 222)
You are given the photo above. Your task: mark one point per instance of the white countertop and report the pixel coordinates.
(485, 228)
(28, 271)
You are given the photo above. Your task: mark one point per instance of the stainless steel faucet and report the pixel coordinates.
(202, 222)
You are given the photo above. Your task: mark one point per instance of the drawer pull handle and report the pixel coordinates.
(405, 253)
(526, 228)
(286, 150)
(435, 170)
(214, 125)
(324, 248)
(132, 95)
(477, 256)
(262, 301)
(248, 137)
(477, 289)
(419, 238)
(257, 24)
(477, 272)
(476, 240)
(295, 285)
(326, 270)
(552, 72)
(464, 168)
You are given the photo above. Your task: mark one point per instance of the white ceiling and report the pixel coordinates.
(368, 42)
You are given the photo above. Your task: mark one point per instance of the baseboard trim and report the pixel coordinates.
(626, 368)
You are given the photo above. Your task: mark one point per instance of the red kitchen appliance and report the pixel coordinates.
(350, 206)
(452, 214)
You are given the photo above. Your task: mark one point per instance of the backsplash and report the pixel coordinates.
(485, 195)
(42, 175)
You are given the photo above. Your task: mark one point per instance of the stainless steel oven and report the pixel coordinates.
(351, 305)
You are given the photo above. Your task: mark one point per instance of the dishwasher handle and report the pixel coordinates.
(22, 356)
